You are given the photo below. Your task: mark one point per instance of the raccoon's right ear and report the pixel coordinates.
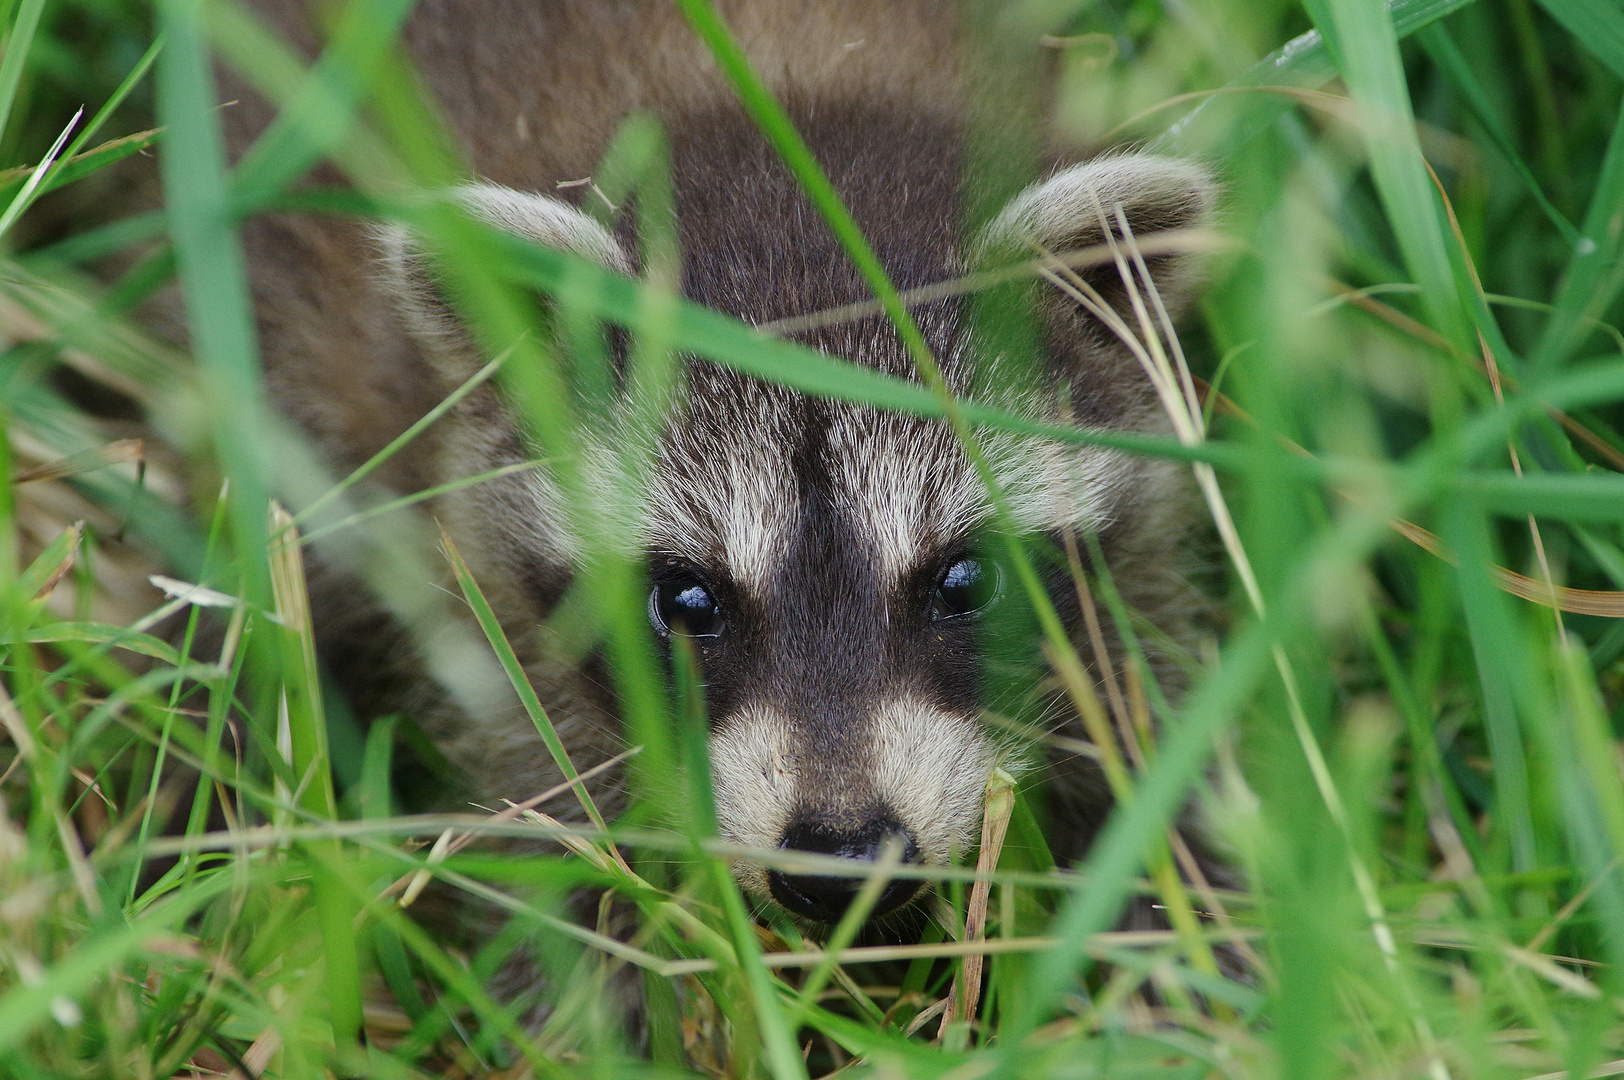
(1074, 208)
(408, 276)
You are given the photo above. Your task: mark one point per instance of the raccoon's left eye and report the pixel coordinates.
(684, 606)
(966, 586)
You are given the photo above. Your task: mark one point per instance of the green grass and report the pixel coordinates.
(1420, 776)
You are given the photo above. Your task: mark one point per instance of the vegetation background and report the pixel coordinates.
(1412, 332)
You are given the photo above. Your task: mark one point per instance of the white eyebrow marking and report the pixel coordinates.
(909, 489)
(728, 494)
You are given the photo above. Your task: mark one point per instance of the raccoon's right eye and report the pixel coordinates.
(684, 606)
(966, 586)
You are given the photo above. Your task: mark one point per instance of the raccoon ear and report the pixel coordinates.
(408, 275)
(1072, 209)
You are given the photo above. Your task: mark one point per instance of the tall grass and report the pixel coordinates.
(1407, 735)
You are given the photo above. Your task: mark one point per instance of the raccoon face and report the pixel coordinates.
(832, 591)
(825, 561)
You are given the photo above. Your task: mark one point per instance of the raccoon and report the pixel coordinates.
(822, 560)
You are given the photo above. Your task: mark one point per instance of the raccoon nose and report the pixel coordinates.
(825, 899)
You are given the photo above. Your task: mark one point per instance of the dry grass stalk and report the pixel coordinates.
(997, 806)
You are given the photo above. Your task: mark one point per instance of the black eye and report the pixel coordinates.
(684, 606)
(967, 586)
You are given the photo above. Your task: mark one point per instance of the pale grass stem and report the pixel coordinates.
(1120, 709)
(26, 195)
(1493, 371)
(1175, 388)
(422, 424)
(409, 885)
(999, 804)
(520, 681)
(1179, 911)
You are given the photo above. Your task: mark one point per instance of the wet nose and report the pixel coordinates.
(825, 899)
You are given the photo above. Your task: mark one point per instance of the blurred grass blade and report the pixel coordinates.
(1366, 46)
(1305, 61)
(319, 115)
(1447, 55)
(1107, 871)
(1559, 496)
(1593, 277)
(1597, 26)
(202, 226)
(19, 42)
(1501, 656)
(309, 761)
(49, 567)
(1594, 793)
(91, 633)
(301, 679)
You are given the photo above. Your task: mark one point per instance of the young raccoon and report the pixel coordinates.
(821, 557)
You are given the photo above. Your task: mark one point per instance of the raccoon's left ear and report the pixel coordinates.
(408, 275)
(1072, 209)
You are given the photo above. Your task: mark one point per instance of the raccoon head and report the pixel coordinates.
(825, 562)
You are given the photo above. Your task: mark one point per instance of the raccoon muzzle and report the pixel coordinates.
(825, 898)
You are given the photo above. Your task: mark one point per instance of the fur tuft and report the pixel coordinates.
(406, 273)
(1078, 207)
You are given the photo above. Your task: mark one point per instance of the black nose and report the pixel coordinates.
(825, 899)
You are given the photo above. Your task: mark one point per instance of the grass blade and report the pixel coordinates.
(1365, 42)
(1599, 26)
(521, 682)
(213, 279)
(18, 43)
(1592, 280)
